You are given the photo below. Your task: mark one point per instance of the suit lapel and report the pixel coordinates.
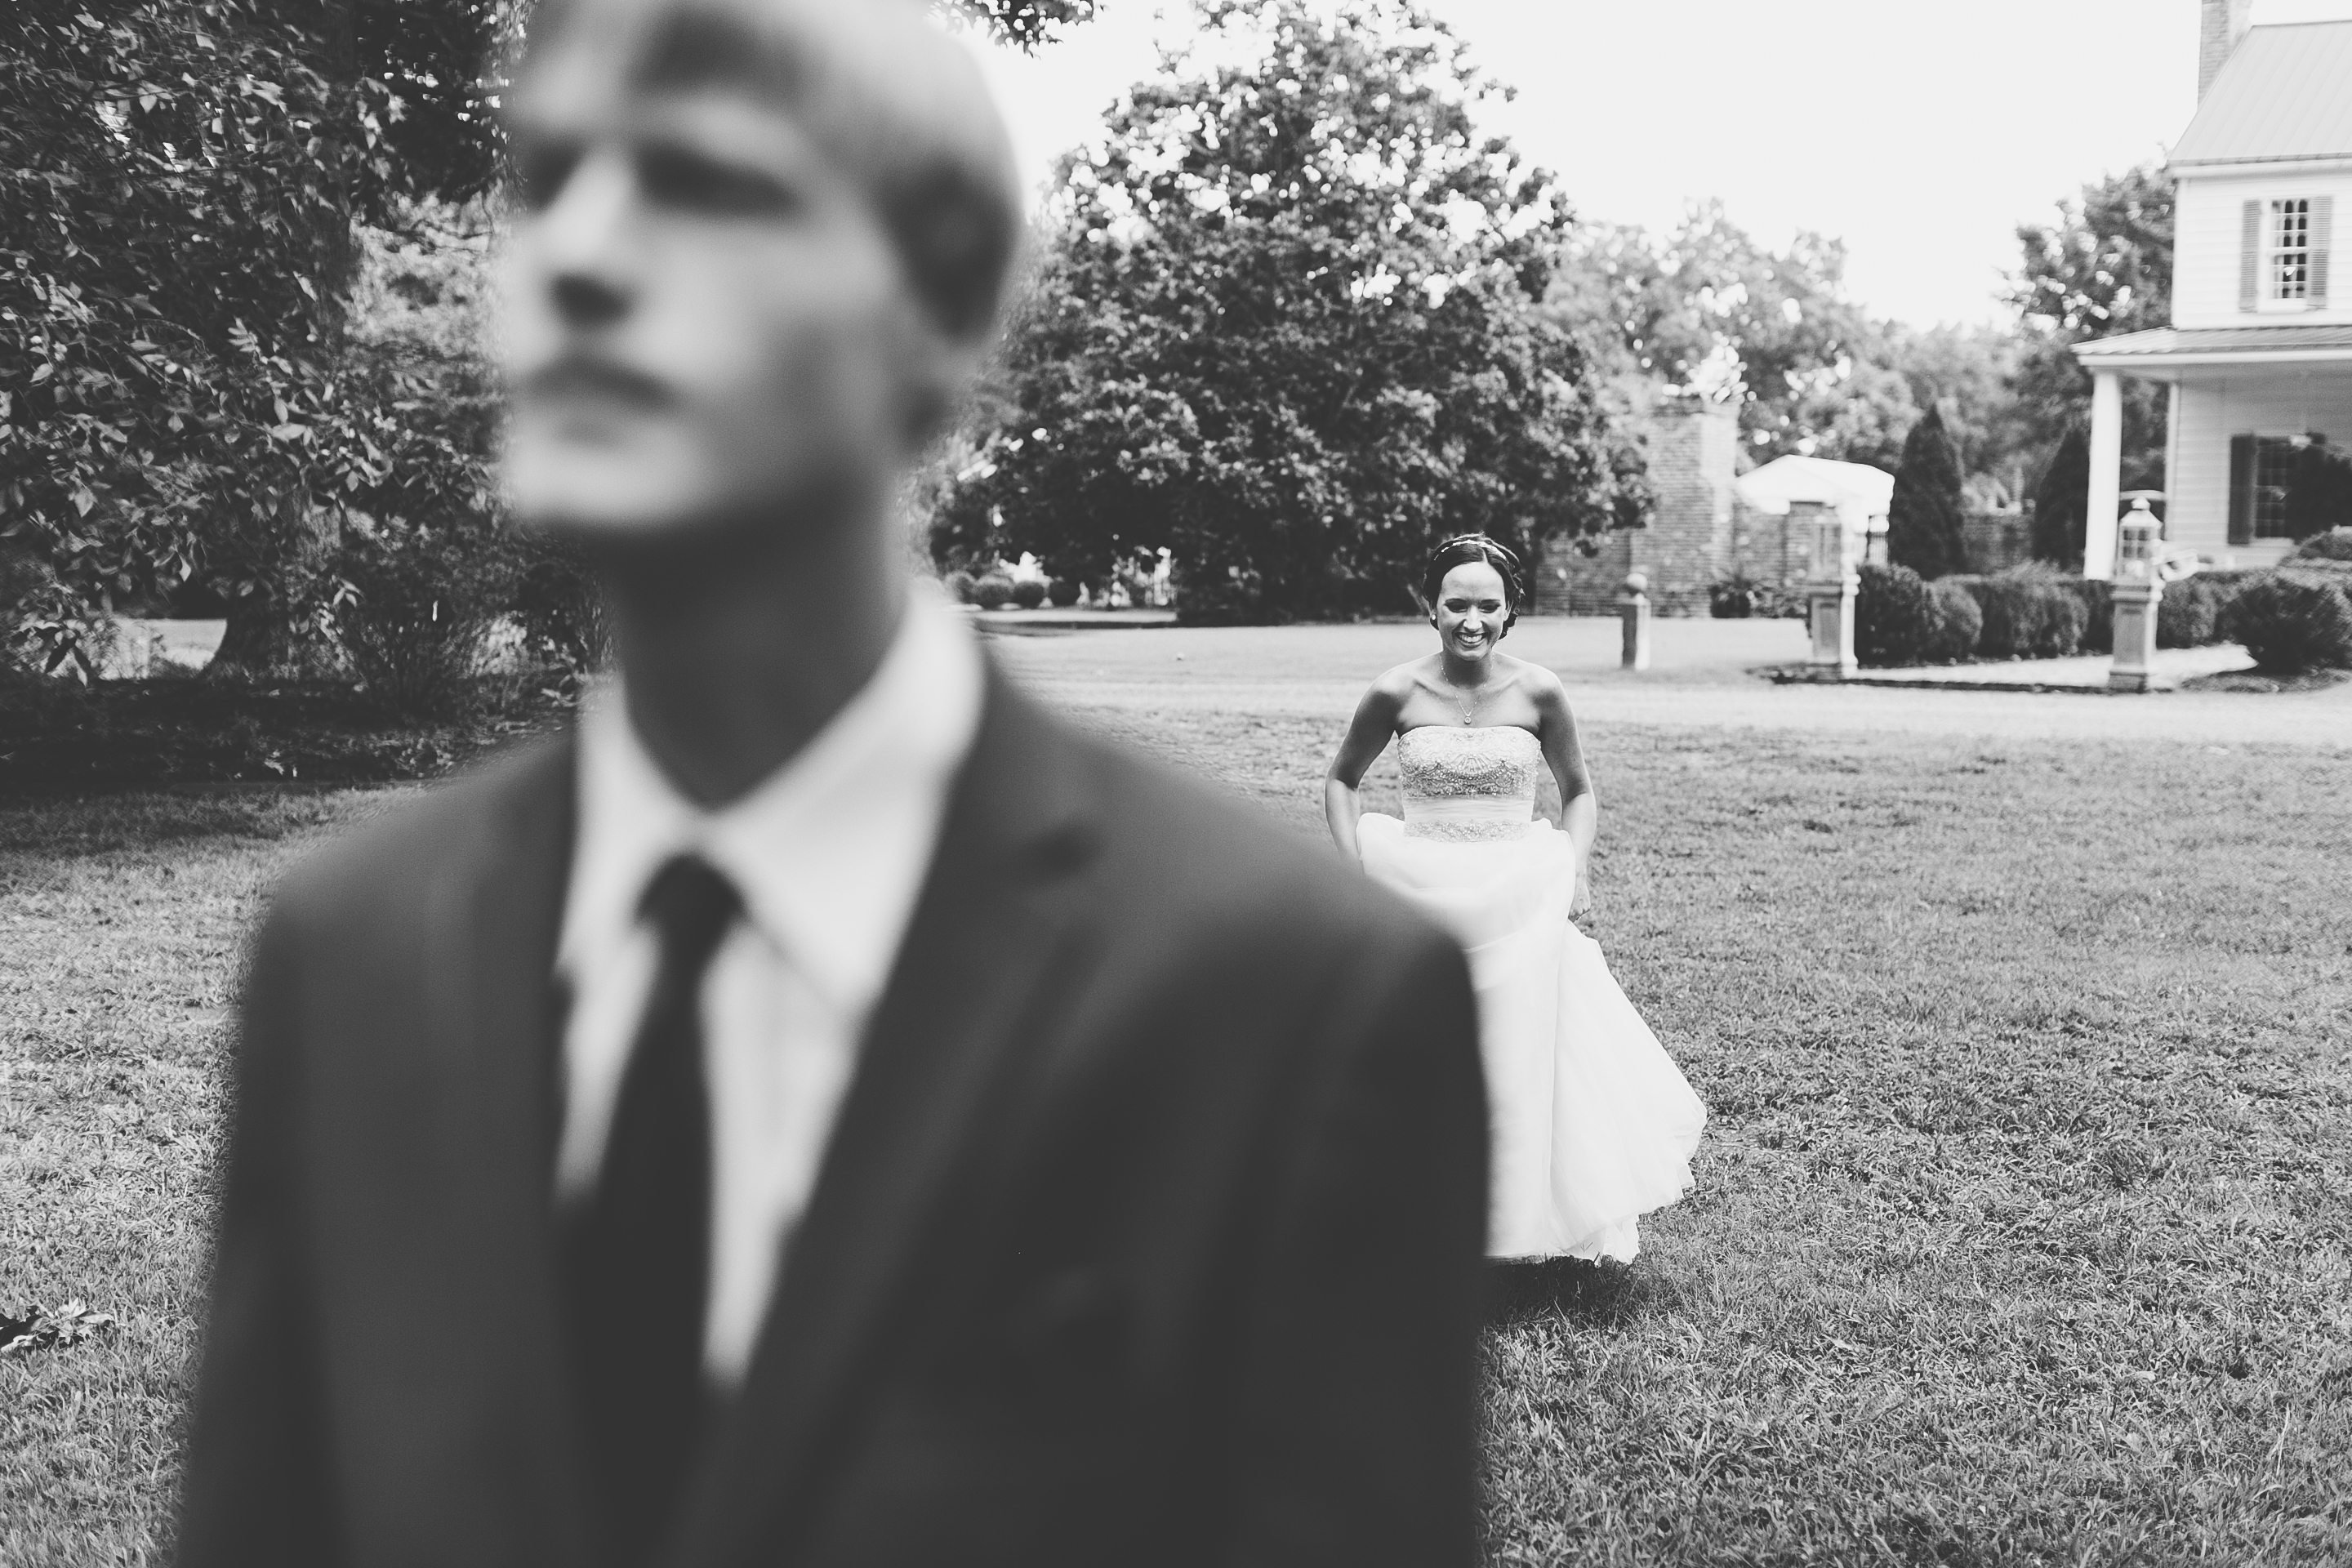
(497, 916)
(995, 910)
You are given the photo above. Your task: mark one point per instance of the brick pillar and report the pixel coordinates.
(1689, 542)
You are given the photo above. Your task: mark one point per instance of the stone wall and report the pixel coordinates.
(1692, 536)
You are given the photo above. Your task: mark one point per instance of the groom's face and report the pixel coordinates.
(706, 322)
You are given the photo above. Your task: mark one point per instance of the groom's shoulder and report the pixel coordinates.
(397, 854)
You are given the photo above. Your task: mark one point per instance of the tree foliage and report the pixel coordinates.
(179, 185)
(1287, 325)
(1024, 23)
(1923, 523)
(2318, 489)
(2103, 269)
(1709, 309)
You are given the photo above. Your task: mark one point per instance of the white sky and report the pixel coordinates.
(1919, 132)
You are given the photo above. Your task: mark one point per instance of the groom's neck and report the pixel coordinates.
(736, 646)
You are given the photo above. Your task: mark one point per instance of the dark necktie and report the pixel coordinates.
(636, 1254)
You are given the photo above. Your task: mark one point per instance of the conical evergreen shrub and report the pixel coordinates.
(2062, 502)
(1922, 526)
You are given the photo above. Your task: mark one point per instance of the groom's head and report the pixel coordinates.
(761, 248)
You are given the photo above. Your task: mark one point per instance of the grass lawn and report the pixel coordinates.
(2021, 1226)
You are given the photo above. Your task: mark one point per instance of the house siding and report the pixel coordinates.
(2208, 214)
(2210, 413)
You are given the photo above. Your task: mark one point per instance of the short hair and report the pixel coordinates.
(1467, 549)
(916, 130)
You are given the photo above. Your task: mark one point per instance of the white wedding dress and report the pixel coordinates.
(1592, 1123)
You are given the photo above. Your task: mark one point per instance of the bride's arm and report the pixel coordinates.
(1368, 737)
(1580, 808)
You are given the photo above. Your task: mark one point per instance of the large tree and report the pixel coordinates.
(1287, 325)
(2103, 269)
(184, 187)
(1923, 525)
(1710, 309)
(179, 187)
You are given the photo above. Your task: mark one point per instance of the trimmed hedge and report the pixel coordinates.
(1954, 625)
(2098, 599)
(993, 592)
(1064, 591)
(2186, 615)
(1029, 592)
(959, 586)
(2029, 612)
(2335, 544)
(2293, 620)
(1893, 613)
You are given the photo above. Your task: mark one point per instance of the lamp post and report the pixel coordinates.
(2138, 591)
(1633, 611)
(1830, 592)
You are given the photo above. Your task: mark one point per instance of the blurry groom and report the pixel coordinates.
(823, 1110)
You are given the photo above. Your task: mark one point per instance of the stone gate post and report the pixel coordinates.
(1829, 591)
(1633, 611)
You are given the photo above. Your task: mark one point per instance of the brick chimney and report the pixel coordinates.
(2224, 24)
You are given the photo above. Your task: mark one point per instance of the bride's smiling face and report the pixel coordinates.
(1473, 610)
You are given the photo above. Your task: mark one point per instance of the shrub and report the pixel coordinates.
(959, 586)
(2029, 612)
(2292, 621)
(1029, 592)
(1732, 599)
(1923, 522)
(561, 608)
(1064, 591)
(2187, 614)
(1892, 616)
(2098, 599)
(2335, 544)
(1954, 624)
(409, 607)
(993, 592)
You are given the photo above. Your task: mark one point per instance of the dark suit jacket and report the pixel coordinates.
(1150, 1232)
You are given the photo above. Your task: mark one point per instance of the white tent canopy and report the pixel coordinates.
(1858, 490)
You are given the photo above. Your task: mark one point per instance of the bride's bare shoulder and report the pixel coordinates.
(1402, 680)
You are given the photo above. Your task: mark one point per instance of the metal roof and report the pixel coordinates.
(2286, 92)
(2250, 345)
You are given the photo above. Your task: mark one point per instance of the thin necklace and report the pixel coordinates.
(1477, 694)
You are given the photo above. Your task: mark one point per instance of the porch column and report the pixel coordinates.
(2106, 474)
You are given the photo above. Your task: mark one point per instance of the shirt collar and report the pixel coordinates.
(828, 853)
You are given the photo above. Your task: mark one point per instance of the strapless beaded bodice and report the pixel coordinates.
(1477, 782)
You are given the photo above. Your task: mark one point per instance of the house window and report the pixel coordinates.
(2291, 248)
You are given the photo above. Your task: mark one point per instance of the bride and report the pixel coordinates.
(1592, 1125)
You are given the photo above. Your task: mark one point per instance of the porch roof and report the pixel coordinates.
(2169, 347)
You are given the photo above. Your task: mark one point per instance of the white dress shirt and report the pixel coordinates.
(828, 855)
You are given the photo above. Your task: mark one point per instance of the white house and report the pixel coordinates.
(2259, 355)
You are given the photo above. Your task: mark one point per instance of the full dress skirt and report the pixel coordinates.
(1592, 1123)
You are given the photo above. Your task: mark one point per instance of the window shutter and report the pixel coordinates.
(2323, 235)
(2241, 490)
(2250, 253)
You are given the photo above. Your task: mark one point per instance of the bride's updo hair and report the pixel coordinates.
(1466, 548)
